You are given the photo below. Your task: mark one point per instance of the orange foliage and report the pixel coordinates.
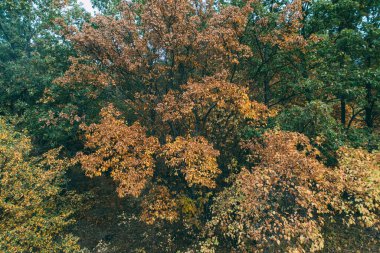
(156, 54)
(83, 74)
(159, 205)
(282, 203)
(123, 149)
(161, 64)
(212, 107)
(279, 204)
(173, 41)
(194, 158)
(286, 35)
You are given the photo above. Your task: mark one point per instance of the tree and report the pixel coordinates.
(347, 59)
(166, 67)
(32, 54)
(282, 202)
(124, 149)
(279, 44)
(316, 121)
(174, 84)
(35, 209)
(158, 45)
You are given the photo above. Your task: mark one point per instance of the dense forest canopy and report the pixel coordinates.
(190, 126)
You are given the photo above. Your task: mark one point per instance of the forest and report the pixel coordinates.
(190, 126)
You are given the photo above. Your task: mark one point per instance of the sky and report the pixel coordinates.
(87, 5)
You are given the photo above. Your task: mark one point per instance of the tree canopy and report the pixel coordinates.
(190, 126)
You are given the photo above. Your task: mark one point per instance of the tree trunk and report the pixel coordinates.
(343, 111)
(266, 92)
(369, 106)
